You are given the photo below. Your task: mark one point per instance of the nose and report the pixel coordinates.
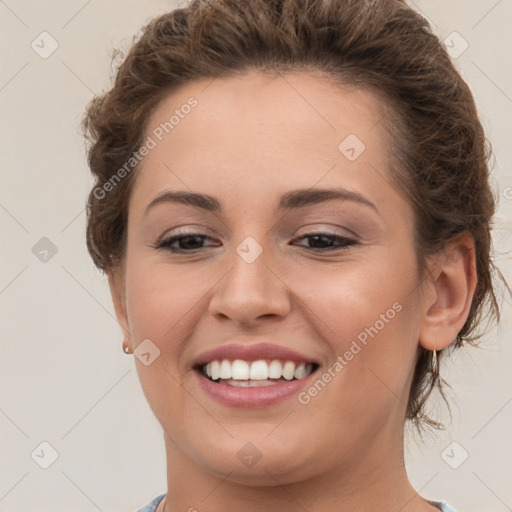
(250, 291)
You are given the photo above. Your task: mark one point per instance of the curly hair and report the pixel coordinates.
(439, 146)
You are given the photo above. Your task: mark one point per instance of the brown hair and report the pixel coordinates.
(441, 153)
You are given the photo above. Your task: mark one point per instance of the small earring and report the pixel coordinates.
(435, 366)
(126, 348)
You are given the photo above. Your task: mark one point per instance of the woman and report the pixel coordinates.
(292, 207)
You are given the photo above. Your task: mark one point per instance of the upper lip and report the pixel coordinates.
(251, 352)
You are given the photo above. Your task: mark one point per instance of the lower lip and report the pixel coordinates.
(252, 397)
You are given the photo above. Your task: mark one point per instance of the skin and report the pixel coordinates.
(249, 140)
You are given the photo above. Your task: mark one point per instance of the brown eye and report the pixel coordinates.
(327, 242)
(187, 242)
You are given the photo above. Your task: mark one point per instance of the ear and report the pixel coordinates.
(453, 284)
(117, 290)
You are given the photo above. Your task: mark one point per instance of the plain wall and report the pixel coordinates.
(64, 378)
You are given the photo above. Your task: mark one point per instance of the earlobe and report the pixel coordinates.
(454, 283)
(116, 284)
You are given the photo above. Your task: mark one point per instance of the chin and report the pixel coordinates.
(261, 462)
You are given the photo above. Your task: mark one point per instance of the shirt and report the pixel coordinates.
(151, 506)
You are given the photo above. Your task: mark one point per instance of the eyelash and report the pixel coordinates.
(166, 243)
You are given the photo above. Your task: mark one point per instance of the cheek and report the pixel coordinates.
(369, 315)
(161, 300)
(348, 297)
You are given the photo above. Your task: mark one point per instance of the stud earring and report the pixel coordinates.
(126, 348)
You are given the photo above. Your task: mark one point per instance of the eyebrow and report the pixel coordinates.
(291, 200)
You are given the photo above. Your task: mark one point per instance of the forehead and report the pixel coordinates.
(264, 132)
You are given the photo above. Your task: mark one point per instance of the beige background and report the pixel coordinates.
(63, 376)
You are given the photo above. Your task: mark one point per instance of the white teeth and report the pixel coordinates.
(249, 383)
(259, 370)
(288, 370)
(225, 369)
(245, 372)
(215, 370)
(275, 370)
(300, 371)
(240, 370)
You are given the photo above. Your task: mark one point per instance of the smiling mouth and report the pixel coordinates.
(241, 373)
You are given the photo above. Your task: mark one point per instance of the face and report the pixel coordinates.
(270, 268)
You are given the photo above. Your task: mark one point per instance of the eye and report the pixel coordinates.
(192, 242)
(322, 242)
(186, 242)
